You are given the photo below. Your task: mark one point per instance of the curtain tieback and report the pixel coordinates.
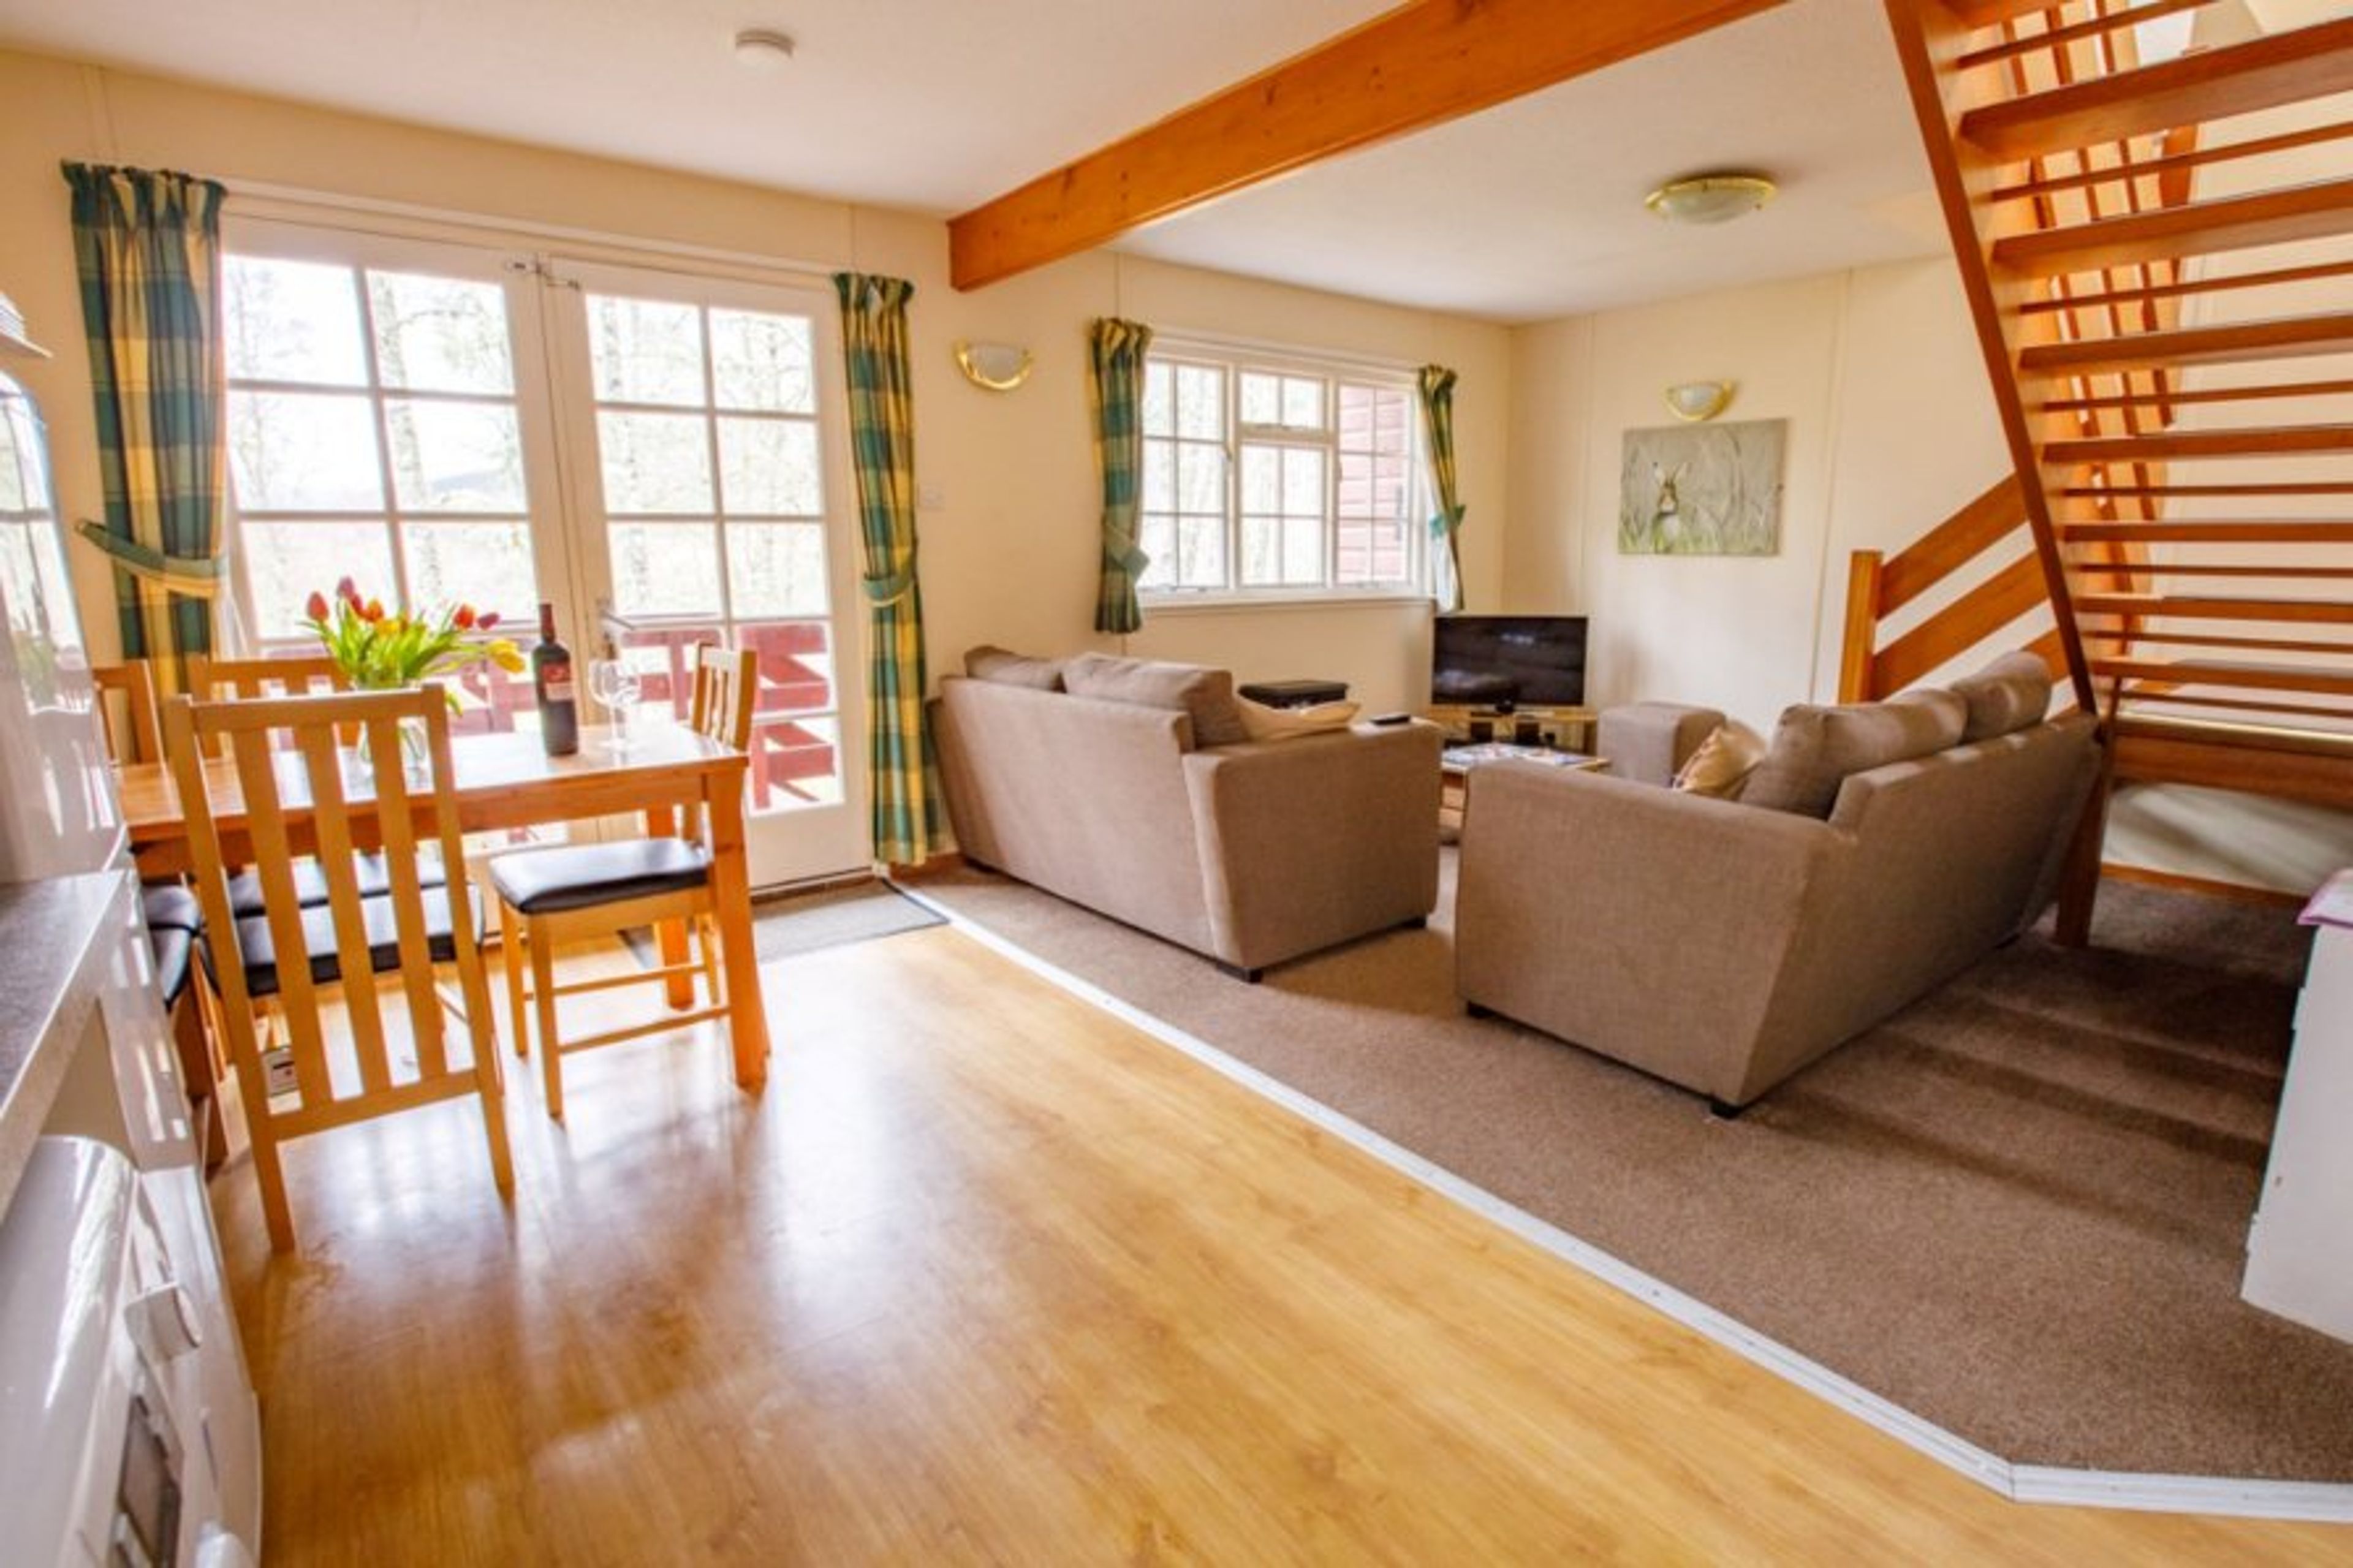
(1448, 521)
(194, 576)
(889, 590)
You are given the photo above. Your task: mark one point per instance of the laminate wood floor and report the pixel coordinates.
(987, 1276)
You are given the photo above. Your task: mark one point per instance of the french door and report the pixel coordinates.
(658, 455)
(709, 503)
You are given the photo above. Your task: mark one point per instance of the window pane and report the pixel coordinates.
(1262, 478)
(654, 462)
(763, 361)
(1262, 552)
(797, 665)
(294, 451)
(1159, 399)
(285, 562)
(1303, 482)
(1157, 536)
(1303, 402)
(665, 568)
(1262, 399)
(292, 320)
(455, 456)
(485, 564)
(663, 658)
(1159, 476)
(796, 763)
(1302, 551)
(776, 568)
(1202, 553)
(769, 466)
(1201, 402)
(1201, 478)
(645, 350)
(440, 334)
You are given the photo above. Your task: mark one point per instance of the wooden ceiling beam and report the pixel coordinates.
(1419, 66)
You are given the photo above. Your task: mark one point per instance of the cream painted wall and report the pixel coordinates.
(1891, 428)
(1008, 536)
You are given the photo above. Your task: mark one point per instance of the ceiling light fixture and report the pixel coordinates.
(1710, 198)
(764, 47)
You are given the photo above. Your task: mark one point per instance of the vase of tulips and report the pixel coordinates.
(384, 650)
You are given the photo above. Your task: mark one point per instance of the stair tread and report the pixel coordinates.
(2193, 228)
(2263, 72)
(2225, 731)
(2244, 341)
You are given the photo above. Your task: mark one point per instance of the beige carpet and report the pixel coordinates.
(2019, 1208)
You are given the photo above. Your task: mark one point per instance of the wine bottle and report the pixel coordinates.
(552, 685)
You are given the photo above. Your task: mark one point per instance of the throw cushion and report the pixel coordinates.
(988, 662)
(1815, 747)
(1723, 762)
(1205, 693)
(1265, 723)
(2008, 694)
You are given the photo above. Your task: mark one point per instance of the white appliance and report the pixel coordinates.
(109, 1384)
(108, 1256)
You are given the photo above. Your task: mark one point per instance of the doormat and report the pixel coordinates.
(803, 922)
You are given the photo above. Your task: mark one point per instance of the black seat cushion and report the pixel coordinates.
(174, 951)
(319, 936)
(582, 876)
(171, 905)
(310, 881)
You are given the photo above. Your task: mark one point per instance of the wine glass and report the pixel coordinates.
(613, 682)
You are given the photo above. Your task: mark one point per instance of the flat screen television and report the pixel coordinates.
(1508, 661)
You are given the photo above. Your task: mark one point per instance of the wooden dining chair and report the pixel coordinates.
(137, 736)
(298, 800)
(174, 919)
(547, 897)
(247, 680)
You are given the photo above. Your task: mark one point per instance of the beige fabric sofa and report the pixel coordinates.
(1251, 853)
(1724, 946)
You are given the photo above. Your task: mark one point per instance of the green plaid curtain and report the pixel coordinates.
(905, 780)
(1436, 385)
(1115, 393)
(148, 249)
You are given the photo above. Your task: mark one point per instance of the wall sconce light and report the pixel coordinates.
(1710, 198)
(1698, 400)
(999, 367)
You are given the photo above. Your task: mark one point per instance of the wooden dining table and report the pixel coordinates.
(507, 781)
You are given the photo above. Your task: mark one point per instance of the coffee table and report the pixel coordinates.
(1454, 773)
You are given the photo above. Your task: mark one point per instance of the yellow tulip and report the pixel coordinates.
(506, 655)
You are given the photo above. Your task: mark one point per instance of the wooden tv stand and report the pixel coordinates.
(1565, 729)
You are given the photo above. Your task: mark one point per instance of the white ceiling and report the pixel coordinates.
(1529, 211)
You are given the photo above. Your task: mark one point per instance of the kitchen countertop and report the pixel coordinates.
(48, 933)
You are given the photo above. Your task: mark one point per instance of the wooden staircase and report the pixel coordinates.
(2156, 243)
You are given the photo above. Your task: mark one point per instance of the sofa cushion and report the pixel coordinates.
(1207, 694)
(1265, 723)
(1724, 760)
(1815, 747)
(2007, 695)
(988, 662)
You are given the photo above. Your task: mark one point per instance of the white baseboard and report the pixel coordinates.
(2223, 1496)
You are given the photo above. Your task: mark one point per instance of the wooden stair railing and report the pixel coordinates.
(2155, 280)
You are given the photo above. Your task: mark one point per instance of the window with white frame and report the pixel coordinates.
(1271, 478)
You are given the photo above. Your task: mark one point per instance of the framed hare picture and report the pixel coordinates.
(1702, 489)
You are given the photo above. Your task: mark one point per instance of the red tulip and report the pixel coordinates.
(486, 620)
(348, 590)
(464, 620)
(315, 606)
(373, 611)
